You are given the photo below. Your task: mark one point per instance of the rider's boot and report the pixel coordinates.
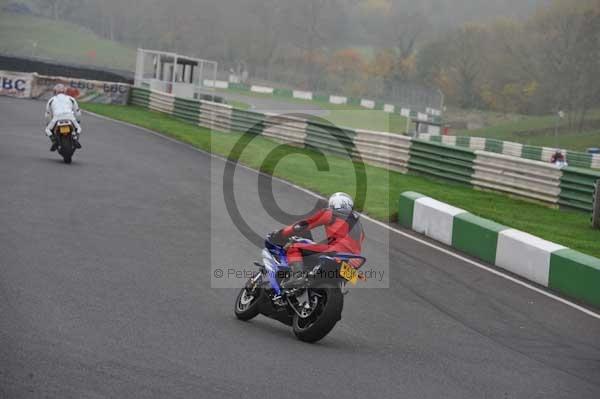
(54, 146)
(76, 142)
(297, 278)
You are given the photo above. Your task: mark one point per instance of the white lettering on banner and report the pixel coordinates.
(15, 84)
(81, 89)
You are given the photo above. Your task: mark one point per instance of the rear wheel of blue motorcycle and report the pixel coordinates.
(324, 317)
(247, 304)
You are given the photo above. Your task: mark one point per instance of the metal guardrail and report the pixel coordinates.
(596, 211)
(451, 160)
(442, 161)
(577, 188)
(522, 177)
(544, 154)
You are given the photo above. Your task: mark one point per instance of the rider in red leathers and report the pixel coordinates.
(342, 227)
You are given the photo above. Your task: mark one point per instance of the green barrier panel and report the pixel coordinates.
(577, 188)
(492, 145)
(247, 121)
(353, 101)
(283, 92)
(379, 105)
(330, 138)
(463, 141)
(239, 86)
(435, 139)
(531, 152)
(437, 119)
(321, 97)
(476, 236)
(576, 275)
(406, 207)
(440, 160)
(140, 97)
(186, 110)
(579, 159)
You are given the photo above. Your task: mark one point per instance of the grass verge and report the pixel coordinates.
(539, 131)
(27, 35)
(346, 115)
(569, 228)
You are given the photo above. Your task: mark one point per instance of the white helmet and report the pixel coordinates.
(341, 201)
(60, 89)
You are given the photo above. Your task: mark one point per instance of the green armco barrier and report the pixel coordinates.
(140, 97)
(463, 141)
(283, 92)
(239, 86)
(579, 159)
(187, 110)
(440, 160)
(321, 97)
(330, 138)
(353, 101)
(532, 152)
(426, 157)
(492, 145)
(577, 188)
(247, 121)
(535, 153)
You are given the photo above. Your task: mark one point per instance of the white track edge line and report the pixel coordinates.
(377, 222)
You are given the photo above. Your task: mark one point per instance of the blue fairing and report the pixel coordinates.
(280, 263)
(276, 261)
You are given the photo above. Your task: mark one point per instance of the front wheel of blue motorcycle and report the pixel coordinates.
(321, 320)
(247, 304)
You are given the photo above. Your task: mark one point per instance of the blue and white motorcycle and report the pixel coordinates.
(312, 310)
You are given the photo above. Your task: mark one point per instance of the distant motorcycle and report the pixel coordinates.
(65, 132)
(312, 310)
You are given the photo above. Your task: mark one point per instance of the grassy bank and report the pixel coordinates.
(26, 35)
(347, 115)
(539, 131)
(568, 228)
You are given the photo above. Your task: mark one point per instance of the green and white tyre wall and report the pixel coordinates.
(545, 263)
(543, 154)
(450, 158)
(430, 115)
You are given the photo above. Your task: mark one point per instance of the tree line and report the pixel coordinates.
(527, 56)
(547, 63)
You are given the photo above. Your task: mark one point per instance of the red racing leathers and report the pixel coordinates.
(343, 229)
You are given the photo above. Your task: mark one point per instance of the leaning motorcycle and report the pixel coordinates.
(312, 310)
(65, 134)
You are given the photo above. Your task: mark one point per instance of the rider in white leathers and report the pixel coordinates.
(62, 107)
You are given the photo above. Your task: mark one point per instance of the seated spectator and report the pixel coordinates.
(558, 159)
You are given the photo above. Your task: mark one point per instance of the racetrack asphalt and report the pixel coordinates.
(105, 291)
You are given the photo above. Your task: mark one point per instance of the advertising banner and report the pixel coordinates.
(82, 90)
(15, 84)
